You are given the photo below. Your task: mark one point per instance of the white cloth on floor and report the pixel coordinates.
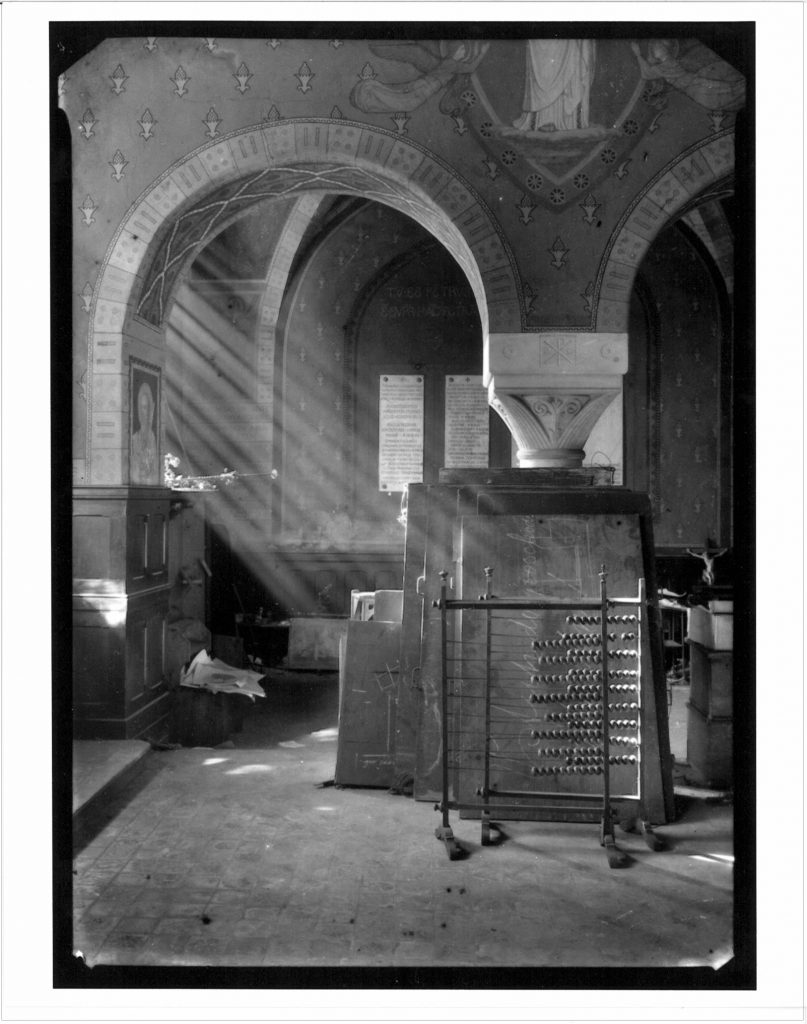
(215, 675)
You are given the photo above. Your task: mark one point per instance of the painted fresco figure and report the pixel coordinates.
(694, 70)
(437, 72)
(557, 85)
(144, 443)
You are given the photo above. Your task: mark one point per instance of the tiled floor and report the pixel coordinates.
(98, 765)
(235, 856)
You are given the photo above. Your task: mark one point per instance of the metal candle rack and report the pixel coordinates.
(600, 669)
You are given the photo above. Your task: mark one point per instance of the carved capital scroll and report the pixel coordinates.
(551, 405)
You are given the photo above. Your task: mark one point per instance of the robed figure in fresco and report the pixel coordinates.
(144, 442)
(557, 85)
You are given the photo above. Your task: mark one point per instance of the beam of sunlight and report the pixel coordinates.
(251, 769)
(712, 858)
(327, 496)
(213, 382)
(325, 735)
(202, 328)
(715, 958)
(214, 760)
(114, 617)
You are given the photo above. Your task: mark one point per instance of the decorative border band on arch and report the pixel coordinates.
(290, 157)
(669, 192)
(431, 188)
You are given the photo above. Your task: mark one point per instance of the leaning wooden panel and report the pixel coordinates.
(588, 527)
(367, 704)
(558, 557)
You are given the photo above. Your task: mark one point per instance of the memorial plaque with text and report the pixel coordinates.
(400, 431)
(466, 422)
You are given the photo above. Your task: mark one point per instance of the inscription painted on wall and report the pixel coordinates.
(400, 431)
(467, 425)
(418, 301)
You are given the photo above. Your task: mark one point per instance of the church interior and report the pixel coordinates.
(404, 368)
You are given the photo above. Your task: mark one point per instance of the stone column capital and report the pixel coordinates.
(551, 387)
(556, 353)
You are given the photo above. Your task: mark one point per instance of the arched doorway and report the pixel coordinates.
(200, 193)
(162, 233)
(326, 301)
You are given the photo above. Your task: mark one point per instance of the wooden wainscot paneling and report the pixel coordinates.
(120, 605)
(120, 539)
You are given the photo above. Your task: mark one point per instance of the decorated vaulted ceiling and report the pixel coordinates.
(557, 138)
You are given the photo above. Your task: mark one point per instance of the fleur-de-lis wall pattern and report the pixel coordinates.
(557, 193)
(684, 403)
(455, 98)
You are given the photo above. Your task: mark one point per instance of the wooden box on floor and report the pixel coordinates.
(229, 649)
(368, 692)
(204, 719)
(710, 715)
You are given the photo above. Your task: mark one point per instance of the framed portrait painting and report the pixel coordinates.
(144, 422)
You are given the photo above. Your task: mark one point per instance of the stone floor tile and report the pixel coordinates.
(163, 947)
(103, 910)
(222, 846)
(162, 877)
(253, 928)
(123, 942)
(130, 877)
(89, 856)
(98, 875)
(154, 905)
(184, 908)
(93, 932)
(269, 914)
(177, 925)
(241, 880)
(136, 925)
(248, 957)
(226, 898)
(201, 879)
(207, 947)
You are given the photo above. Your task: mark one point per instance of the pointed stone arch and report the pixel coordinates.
(696, 171)
(171, 219)
(551, 387)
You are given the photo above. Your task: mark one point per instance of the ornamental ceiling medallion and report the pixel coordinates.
(555, 116)
(564, 107)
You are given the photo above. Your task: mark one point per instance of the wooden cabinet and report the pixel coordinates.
(710, 718)
(120, 604)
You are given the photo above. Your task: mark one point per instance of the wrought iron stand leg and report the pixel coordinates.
(444, 832)
(486, 784)
(653, 841)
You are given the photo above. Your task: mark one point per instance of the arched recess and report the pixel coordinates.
(709, 224)
(276, 280)
(666, 198)
(174, 216)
